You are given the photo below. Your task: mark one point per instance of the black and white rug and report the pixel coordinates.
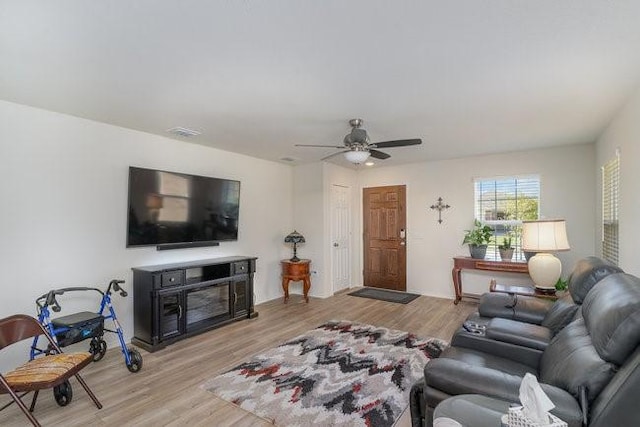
(339, 374)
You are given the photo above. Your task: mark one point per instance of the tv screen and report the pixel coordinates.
(169, 208)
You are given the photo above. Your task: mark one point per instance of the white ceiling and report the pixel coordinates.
(256, 77)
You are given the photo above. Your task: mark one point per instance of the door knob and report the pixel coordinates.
(335, 245)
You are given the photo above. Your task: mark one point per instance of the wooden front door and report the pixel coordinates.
(385, 255)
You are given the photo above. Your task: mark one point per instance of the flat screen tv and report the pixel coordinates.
(173, 210)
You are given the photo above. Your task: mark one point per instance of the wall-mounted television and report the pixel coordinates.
(173, 210)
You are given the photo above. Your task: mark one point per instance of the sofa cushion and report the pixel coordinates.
(611, 313)
(572, 362)
(586, 273)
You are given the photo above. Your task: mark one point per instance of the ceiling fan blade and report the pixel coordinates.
(398, 143)
(378, 154)
(334, 154)
(321, 146)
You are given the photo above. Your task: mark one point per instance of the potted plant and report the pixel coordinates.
(478, 238)
(505, 248)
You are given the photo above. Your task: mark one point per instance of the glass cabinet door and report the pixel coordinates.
(170, 314)
(241, 298)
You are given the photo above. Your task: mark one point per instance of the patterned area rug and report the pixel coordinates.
(339, 374)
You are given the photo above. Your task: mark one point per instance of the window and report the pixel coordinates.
(503, 203)
(610, 194)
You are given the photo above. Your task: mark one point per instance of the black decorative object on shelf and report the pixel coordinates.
(440, 206)
(294, 238)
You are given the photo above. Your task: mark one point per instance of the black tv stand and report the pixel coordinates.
(179, 300)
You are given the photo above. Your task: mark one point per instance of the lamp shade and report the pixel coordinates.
(294, 237)
(357, 157)
(547, 235)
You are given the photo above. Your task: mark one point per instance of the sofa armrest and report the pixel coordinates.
(481, 342)
(519, 333)
(515, 307)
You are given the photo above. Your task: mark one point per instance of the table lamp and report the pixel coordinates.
(294, 238)
(543, 237)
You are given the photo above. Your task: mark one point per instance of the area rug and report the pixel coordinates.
(339, 374)
(385, 295)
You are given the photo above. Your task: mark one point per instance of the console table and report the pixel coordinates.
(460, 263)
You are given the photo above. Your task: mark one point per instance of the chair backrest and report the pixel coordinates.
(586, 273)
(587, 353)
(17, 328)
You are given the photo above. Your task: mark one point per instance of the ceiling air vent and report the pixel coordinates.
(288, 159)
(183, 132)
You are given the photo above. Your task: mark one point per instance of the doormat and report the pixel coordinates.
(339, 374)
(385, 295)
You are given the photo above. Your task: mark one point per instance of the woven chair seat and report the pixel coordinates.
(45, 372)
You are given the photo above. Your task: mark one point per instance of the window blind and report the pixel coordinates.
(610, 200)
(503, 203)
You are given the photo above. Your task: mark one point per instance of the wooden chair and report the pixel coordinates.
(51, 371)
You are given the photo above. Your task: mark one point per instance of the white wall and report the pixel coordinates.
(308, 217)
(567, 191)
(63, 186)
(623, 134)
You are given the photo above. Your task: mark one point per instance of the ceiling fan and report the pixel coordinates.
(358, 146)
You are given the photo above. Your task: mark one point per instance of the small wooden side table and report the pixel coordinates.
(529, 291)
(296, 271)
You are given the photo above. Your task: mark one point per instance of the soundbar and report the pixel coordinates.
(182, 245)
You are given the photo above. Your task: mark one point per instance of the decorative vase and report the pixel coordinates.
(478, 251)
(506, 254)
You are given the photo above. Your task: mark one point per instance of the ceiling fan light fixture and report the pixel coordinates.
(357, 156)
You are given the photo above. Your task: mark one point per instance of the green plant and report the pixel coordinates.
(478, 235)
(562, 284)
(506, 242)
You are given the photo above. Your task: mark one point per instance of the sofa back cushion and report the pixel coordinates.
(586, 273)
(611, 313)
(571, 362)
(561, 313)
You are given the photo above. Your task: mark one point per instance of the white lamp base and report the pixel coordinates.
(545, 270)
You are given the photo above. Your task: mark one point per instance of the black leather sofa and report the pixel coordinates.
(522, 327)
(590, 368)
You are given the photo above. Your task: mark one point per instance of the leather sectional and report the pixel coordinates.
(583, 349)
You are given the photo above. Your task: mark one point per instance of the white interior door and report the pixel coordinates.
(340, 237)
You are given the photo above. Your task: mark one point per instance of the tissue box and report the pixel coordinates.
(516, 418)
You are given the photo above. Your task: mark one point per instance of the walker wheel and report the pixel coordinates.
(63, 393)
(136, 360)
(98, 348)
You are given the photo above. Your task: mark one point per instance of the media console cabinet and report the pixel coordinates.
(175, 301)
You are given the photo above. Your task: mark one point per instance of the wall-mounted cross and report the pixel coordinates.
(440, 207)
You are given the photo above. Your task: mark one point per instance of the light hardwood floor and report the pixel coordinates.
(166, 392)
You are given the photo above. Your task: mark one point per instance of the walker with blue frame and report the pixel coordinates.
(80, 326)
